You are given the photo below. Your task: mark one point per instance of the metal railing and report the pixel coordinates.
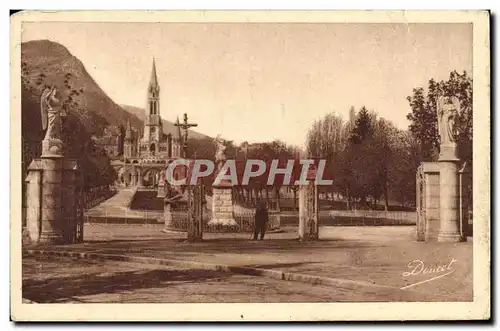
(245, 222)
(93, 196)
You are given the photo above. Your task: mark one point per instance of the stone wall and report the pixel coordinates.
(222, 204)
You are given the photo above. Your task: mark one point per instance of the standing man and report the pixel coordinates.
(261, 219)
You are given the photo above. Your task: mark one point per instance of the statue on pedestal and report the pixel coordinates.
(54, 184)
(51, 122)
(448, 111)
(220, 154)
(222, 199)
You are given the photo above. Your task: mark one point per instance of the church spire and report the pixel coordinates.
(128, 132)
(153, 82)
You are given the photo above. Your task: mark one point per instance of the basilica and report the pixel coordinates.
(145, 153)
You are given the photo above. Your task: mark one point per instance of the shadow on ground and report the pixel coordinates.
(59, 289)
(181, 248)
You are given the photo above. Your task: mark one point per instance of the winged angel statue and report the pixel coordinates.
(448, 110)
(51, 114)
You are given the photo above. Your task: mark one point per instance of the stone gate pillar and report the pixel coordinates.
(465, 193)
(196, 195)
(449, 213)
(428, 218)
(51, 200)
(308, 212)
(448, 110)
(167, 215)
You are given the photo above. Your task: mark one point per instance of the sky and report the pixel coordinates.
(263, 81)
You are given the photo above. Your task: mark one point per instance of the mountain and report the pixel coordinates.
(49, 63)
(168, 127)
(90, 111)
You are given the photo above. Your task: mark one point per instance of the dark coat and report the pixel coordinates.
(261, 215)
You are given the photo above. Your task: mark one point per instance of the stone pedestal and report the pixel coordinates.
(222, 207)
(51, 199)
(449, 211)
(52, 148)
(308, 212)
(169, 196)
(161, 190)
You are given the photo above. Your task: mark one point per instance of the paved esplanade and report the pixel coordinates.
(369, 260)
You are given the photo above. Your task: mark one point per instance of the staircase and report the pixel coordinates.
(146, 200)
(117, 210)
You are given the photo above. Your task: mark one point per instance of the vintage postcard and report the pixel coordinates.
(250, 165)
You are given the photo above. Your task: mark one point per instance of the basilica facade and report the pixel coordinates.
(147, 152)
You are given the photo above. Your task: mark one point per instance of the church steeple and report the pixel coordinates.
(153, 107)
(153, 81)
(153, 128)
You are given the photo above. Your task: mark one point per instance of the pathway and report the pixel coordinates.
(65, 280)
(368, 255)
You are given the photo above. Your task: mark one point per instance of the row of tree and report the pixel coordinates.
(371, 159)
(366, 156)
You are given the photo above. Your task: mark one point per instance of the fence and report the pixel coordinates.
(371, 217)
(244, 221)
(355, 218)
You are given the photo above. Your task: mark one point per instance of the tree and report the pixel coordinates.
(363, 127)
(405, 161)
(361, 154)
(326, 139)
(384, 137)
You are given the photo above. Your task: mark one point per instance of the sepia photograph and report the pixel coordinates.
(322, 165)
